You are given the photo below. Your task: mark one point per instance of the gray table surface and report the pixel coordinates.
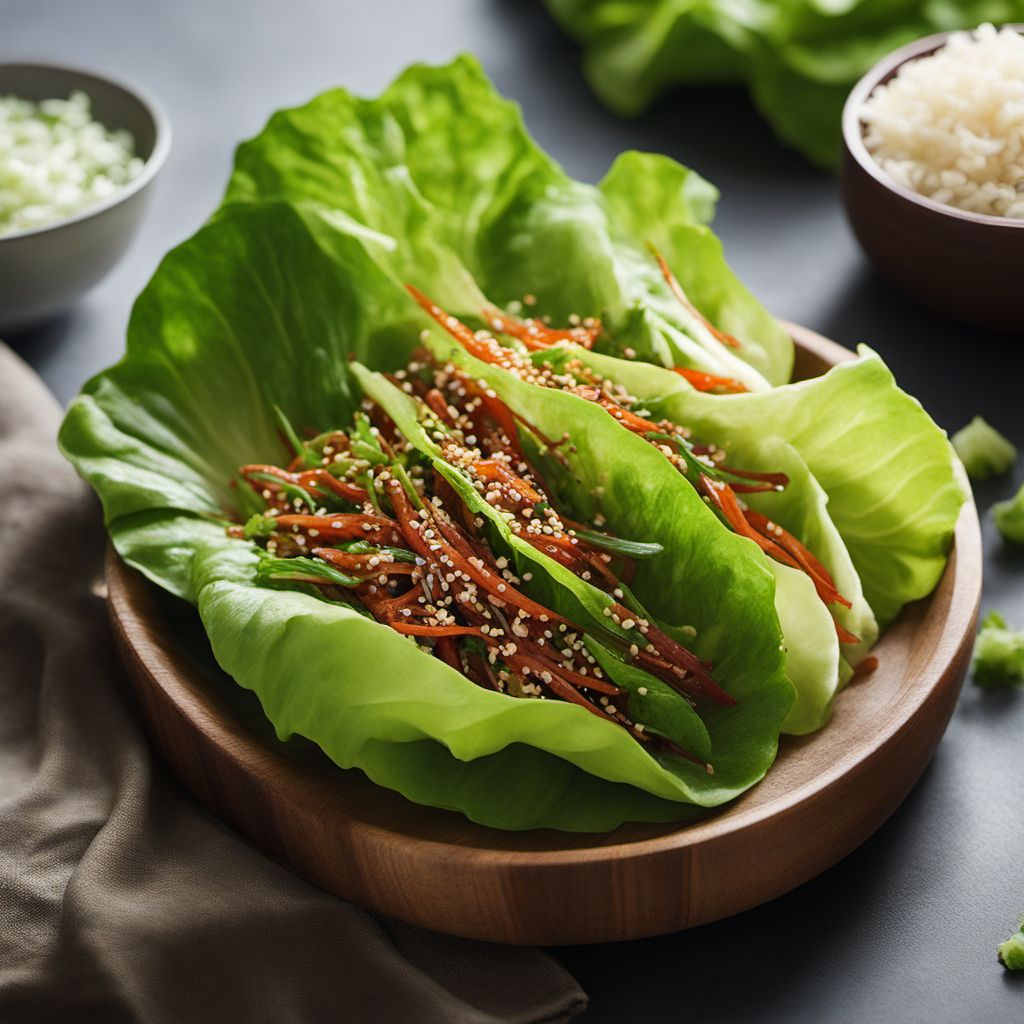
(904, 929)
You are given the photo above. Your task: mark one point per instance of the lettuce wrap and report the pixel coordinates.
(263, 308)
(890, 529)
(288, 311)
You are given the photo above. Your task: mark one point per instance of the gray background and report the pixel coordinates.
(905, 929)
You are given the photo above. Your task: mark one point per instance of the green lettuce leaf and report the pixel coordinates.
(877, 466)
(452, 194)
(998, 654)
(1009, 517)
(799, 57)
(811, 646)
(983, 450)
(641, 498)
(264, 308)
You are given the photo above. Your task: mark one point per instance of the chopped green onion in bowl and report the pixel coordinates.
(56, 161)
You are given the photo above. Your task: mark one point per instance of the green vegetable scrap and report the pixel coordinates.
(983, 450)
(1009, 517)
(1011, 952)
(799, 57)
(998, 654)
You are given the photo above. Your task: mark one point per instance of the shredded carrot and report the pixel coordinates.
(412, 629)
(711, 382)
(684, 299)
(341, 526)
(485, 347)
(536, 335)
(864, 667)
(318, 479)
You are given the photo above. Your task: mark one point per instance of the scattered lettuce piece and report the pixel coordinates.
(1009, 517)
(998, 654)
(983, 450)
(1011, 952)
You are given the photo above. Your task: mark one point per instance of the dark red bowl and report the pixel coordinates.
(967, 265)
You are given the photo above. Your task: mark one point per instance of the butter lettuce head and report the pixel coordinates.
(798, 57)
(265, 306)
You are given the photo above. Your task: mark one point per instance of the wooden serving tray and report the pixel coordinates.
(825, 795)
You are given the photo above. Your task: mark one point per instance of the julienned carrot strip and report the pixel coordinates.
(492, 407)
(724, 498)
(413, 629)
(447, 650)
(776, 479)
(541, 662)
(818, 573)
(684, 299)
(536, 335)
(864, 667)
(628, 419)
(485, 348)
(364, 563)
(492, 470)
(341, 526)
(679, 655)
(711, 382)
(439, 406)
(405, 514)
(845, 636)
(325, 481)
(465, 560)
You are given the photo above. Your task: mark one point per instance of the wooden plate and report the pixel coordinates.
(825, 795)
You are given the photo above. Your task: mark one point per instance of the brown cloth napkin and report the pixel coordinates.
(120, 898)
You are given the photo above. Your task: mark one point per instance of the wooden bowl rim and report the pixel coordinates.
(853, 134)
(131, 598)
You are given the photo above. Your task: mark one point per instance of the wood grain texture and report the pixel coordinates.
(825, 795)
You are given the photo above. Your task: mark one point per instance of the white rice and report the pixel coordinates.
(950, 126)
(56, 161)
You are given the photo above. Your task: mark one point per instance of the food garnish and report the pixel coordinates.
(376, 522)
(1009, 517)
(998, 654)
(1011, 952)
(703, 465)
(983, 450)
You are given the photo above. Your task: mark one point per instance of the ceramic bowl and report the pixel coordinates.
(963, 264)
(43, 270)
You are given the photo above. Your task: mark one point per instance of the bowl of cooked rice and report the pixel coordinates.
(78, 156)
(933, 172)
